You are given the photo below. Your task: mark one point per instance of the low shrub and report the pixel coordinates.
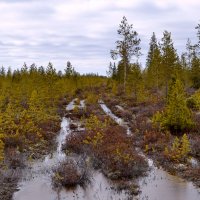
(125, 114)
(151, 136)
(151, 140)
(140, 125)
(179, 151)
(92, 98)
(73, 126)
(117, 156)
(193, 102)
(74, 142)
(71, 173)
(176, 116)
(110, 147)
(49, 129)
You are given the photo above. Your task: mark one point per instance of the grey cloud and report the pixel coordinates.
(39, 34)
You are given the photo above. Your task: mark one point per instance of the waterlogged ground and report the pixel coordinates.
(159, 184)
(36, 181)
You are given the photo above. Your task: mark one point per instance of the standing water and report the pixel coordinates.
(118, 120)
(36, 183)
(159, 184)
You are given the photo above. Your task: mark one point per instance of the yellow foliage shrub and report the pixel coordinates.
(194, 101)
(92, 98)
(180, 149)
(95, 129)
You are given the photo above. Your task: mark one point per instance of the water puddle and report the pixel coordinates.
(194, 162)
(82, 104)
(36, 181)
(159, 184)
(119, 107)
(118, 120)
(99, 189)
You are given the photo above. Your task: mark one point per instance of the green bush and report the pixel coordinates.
(176, 117)
(193, 102)
(92, 98)
(179, 151)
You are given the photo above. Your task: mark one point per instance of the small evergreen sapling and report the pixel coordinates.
(176, 116)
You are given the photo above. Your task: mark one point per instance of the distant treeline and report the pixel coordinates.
(162, 64)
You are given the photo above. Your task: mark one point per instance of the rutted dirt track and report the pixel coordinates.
(158, 184)
(36, 182)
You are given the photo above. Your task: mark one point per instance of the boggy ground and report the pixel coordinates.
(105, 145)
(15, 158)
(153, 142)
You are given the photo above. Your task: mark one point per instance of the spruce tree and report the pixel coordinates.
(195, 71)
(69, 71)
(185, 147)
(193, 56)
(135, 82)
(112, 71)
(2, 72)
(189, 52)
(169, 58)
(152, 47)
(177, 116)
(153, 64)
(198, 35)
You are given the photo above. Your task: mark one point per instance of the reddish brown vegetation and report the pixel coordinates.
(121, 157)
(49, 129)
(158, 144)
(74, 142)
(70, 173)
(156, 140)
(112, 151)
(193, 175)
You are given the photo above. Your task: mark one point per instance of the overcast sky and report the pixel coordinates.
(84, 31)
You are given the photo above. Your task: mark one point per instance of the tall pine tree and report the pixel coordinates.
(126, 47)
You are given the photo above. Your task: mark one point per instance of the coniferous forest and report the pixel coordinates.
(77, 129)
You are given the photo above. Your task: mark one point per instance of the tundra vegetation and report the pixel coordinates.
(159, 101)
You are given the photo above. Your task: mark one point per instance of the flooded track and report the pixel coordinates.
(159, 185)
(36, 183)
